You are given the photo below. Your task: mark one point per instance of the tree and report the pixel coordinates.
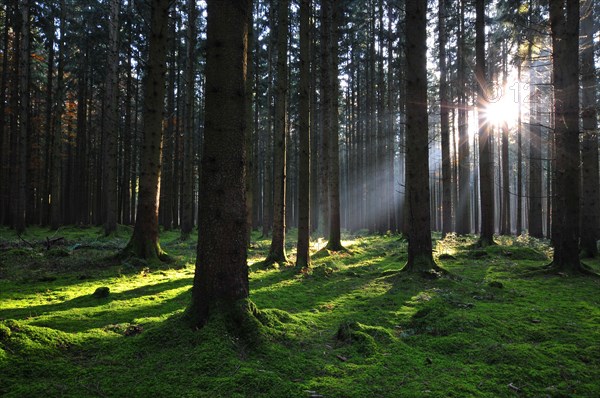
(420, 257)
(486, 162)
(589, 142)
(463, 213)
(144, 241)
(444, 124)
(564, 24)
(334, 243)
(187, 187)
(535, 151)
(111, 121)
(221, 278)
(277, 250)
(303, 255)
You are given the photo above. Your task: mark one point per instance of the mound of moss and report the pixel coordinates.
(25, 340)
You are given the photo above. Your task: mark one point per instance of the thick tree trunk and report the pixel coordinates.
(589, 144)
(420, 257)
(565, 41)
(144, 241)
(303, 255)
(251, 129)
(221, 279)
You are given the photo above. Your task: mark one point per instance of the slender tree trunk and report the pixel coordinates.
(519, 221)
(111, 121)
(187, 186)
(589, 144)
(221, 279)
(444, 125)
(463, 217)
(21, 127)
(277, 251)
(325, 106)
(303, 255)
(534, 212)
(144, 241)
(486, 162)
(167, 183)
(335, 239)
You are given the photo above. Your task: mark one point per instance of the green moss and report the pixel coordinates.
(399, 333)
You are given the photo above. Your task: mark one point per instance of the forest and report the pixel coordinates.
(299, 198)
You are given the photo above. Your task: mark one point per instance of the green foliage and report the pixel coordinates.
(350, 326)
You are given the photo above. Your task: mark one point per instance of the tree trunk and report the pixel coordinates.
(519, 221)
(486, 162)
(303, 255)
(144, 241)
(277, 251)
(251, 129)
(221, 279)
(444, 125)
(420, 257)
(111, 121)
(565, 42)
(589, 144)
(335, 240)
(463, 217)
(187, 186)
(535, 155)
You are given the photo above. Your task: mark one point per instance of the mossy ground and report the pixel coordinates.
(351, 326)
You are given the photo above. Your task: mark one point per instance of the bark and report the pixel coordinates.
(277, 251)
(111, 121)
(444, 125)
(251, 129)
(463, 217)
(334, 243)
(565, 42)
(589, 144)
(187, 187)
(167, 183)
(325, 105)
(303, 255)
(535, 156)
(519, 221)
(144, 241)
(486, 162)
(221, 278)
(420, 257)
(21, 127)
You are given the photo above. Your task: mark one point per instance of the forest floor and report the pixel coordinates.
(351, 327)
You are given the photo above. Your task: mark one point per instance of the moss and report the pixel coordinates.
(58, 252)
(364, 337)
(420, 335)
(5, 332)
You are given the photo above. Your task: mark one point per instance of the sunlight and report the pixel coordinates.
(501, 110)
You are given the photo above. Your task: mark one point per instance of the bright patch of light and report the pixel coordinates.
(502, 110)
